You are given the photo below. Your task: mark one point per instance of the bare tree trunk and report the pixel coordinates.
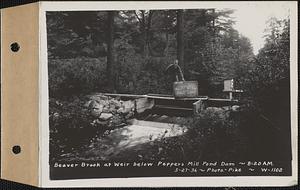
(148, 29)
(167, 44)
(111, 74)
(144, 33)
(180, 42)
(145, 27)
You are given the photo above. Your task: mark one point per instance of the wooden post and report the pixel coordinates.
(231, 95)
(197, 107)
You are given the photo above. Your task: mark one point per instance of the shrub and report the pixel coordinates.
(71, 125)
(75, 76)
(153, 79)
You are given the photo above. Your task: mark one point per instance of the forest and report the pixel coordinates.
(127, 52)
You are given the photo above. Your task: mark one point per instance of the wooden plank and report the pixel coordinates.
(173, 108)
(120, 95)
(214, 102)
(172, 112)
(185, 89)
(153, 124)
(160, 95)
(151, 96)
(197, 106)
(221, 100)
(173, 98)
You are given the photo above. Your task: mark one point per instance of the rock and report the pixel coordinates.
(115, 103)
(105, 116)
(235, 108)
(112, 111)
(112, 108)
(58, 103)
(121, 110)
(129, 115)
(87, 104)
(95, 98)
(106, 109)
(56, 114)
(116, 121)
(95, 108)
(128, 106)
(101, 122)
(98, 97)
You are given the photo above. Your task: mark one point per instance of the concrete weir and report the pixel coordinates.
(155, 116)
(139, 132)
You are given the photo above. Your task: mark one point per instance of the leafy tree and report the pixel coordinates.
(74, 34)
(143, 39)
(214, 49)
(267, 83)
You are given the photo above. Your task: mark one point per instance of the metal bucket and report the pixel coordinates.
(185, 89)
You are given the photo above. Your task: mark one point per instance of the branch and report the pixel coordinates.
(137, 16)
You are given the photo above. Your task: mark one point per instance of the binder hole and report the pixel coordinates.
(15, 47)
(16, 149)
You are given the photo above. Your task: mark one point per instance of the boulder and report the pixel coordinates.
(235, 108)
(116, 121)
(128, 106)
(115, 103)
(95, 108)
(105, 116)
(109, 109)
(101, 122)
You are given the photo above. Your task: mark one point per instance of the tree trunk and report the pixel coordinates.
(148, 30)
(167, 44)
(111, 74)
(144, 33)
(180, 42)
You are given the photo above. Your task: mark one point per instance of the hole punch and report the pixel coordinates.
(15, 47)
(16, 149)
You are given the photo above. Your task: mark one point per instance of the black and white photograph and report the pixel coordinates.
(170, 92)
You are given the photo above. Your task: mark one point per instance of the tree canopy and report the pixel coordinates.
(145, 41)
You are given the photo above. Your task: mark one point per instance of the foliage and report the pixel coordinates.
(267, 83)
(75, 34)
(144, 39)
(70, 125)
(75, 122)
(68, 77)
